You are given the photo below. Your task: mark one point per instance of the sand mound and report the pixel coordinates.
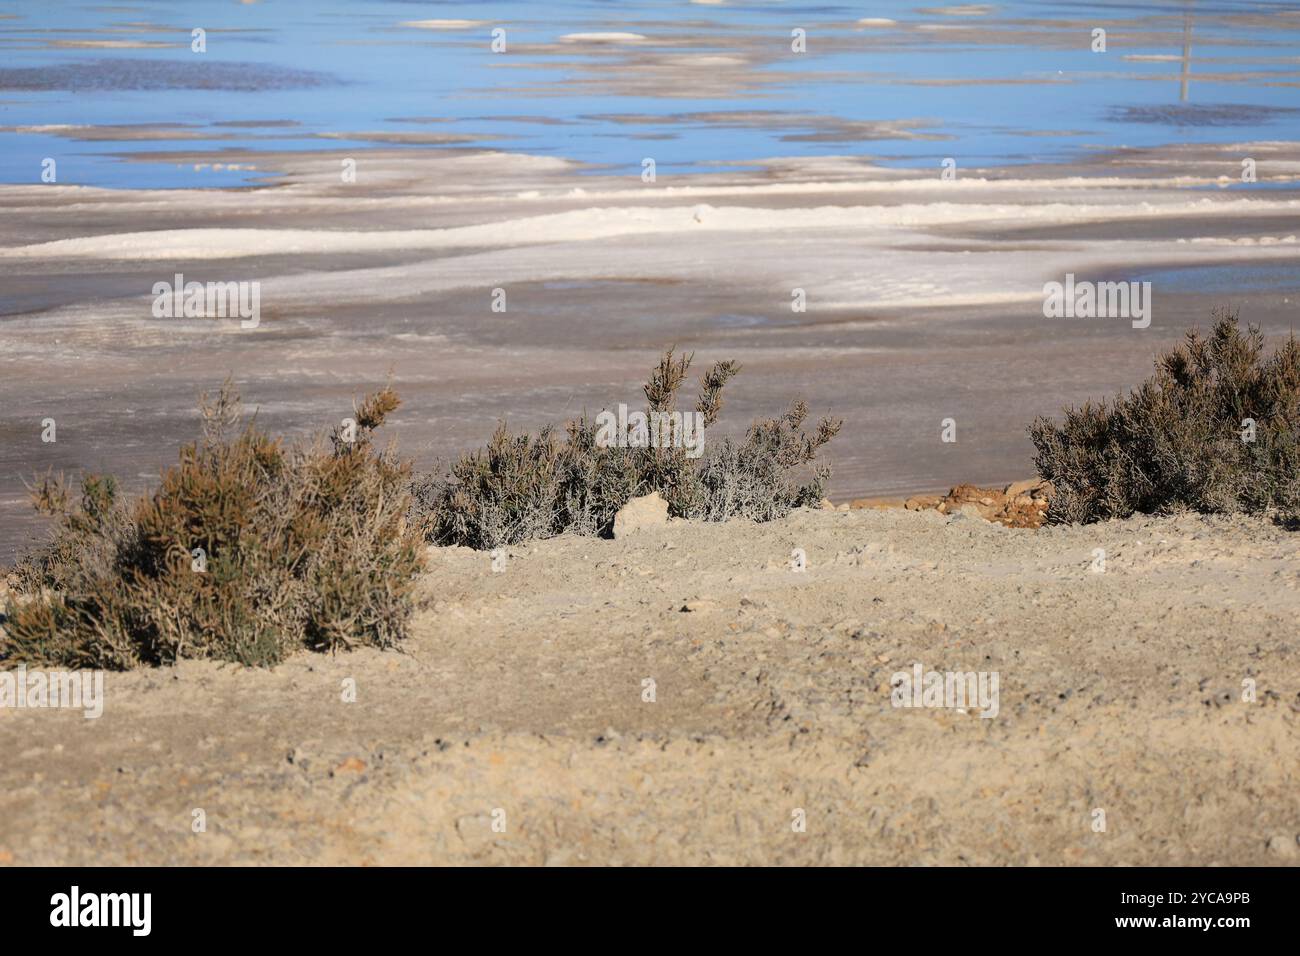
(684, 696)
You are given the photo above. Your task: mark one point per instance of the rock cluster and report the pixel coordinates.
(1021, 504)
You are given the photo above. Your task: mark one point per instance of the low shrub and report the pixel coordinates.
(537, 486)
(1181, 440)
(247, 551)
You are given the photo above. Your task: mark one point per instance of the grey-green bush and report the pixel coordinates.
(1178, 441)
(525, 486)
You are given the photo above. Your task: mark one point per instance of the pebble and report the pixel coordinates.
(1285, 847)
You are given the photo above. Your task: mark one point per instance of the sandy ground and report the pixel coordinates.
(924, 298)
(519, 701)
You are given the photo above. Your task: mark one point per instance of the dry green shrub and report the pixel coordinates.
(750, 478)
(523, 486)
(307, 546)
(1176, 442)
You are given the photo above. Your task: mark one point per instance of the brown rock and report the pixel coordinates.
(1022, 505)
(858, 504)
(1022, 487)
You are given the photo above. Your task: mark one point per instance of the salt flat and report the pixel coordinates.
(922, 298)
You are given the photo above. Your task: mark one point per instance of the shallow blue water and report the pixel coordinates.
(1225, 279)
(1014, 83)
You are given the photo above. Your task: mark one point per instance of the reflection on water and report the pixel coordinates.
(688, 83)
(124, 76)
(1226, 279)
(1203, 114)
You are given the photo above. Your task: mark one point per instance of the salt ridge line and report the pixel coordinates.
(315, 184)
(988, 275)
(604, 223)
(306, 190)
